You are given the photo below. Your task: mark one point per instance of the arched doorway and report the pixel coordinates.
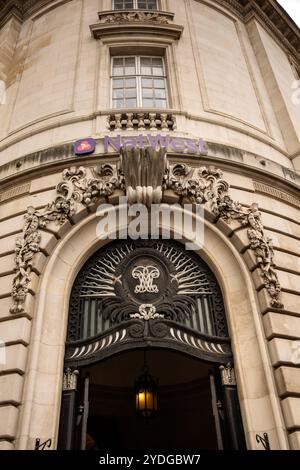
(154, 296)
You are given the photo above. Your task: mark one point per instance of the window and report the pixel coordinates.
(135, 4)
(138, 82)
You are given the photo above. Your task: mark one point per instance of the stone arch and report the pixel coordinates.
(42, 395)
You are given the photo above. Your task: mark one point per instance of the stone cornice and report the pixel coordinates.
(51, 160)
(129, 22)
(269, 12)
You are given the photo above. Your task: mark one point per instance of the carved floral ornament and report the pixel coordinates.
(133, 16)
(86, 186)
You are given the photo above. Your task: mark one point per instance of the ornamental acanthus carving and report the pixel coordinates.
(84, 186)
(133, 16)
(78, 186)
(205, 185)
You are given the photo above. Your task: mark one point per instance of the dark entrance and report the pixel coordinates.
(184, 417)
(154, 297)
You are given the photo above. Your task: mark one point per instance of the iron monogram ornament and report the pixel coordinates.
(145, 280)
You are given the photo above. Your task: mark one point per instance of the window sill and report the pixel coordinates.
(145, 22)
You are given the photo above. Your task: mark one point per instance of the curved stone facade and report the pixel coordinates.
(233, 74)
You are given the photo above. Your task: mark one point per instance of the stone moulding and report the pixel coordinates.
(269, 11)
(130, 22)
(119, 16)
(85, 186)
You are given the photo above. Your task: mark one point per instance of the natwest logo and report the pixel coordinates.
(175, 144)
(84, 146)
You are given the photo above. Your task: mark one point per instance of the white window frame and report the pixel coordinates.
(138, 76)
(135, 5)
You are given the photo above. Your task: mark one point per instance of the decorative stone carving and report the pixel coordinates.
(70, 379)
(260, 244)
(203, 185)
(147, 312)
(140, 16)
(136, 22)
(227, 374)
(200, 185)
(76, 187)
(87, 186)
(143, 170)
(141, 121)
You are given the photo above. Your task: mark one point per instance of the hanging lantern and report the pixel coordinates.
(146, 395)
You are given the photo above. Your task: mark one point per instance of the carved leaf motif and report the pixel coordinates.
(206, 185)
(200, 185)
(75, 188)
(136, 16)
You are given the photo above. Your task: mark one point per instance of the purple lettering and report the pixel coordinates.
(110, 141)
(141, 141)
(130, 142)
(157, 140)
(203, 147)
(178, 144)
(191, 145)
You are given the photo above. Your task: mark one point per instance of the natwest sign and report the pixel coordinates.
(85, 146)
(175, 144)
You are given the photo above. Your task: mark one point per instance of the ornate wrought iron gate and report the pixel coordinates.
(140, 295)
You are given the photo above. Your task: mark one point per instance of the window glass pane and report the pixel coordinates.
(158, 71)
(130, 83)
(118, 71)
(148, 103)
(123, 4)
(146, 71)
(159, 83)
(130, 66)
(160, 93)
(157, 62)
(147, 82)
(146, 61)
(131, 103)
(118, 84)
(130, 61)
(152, 4)
(130, 93)
(146, 66)
(118, 62)
(129, 70)
(161, 103)
(147, 4)
(118, 103)
(148, 93)
(118, 93)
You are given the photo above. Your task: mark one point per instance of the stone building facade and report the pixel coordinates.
(213, 86)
